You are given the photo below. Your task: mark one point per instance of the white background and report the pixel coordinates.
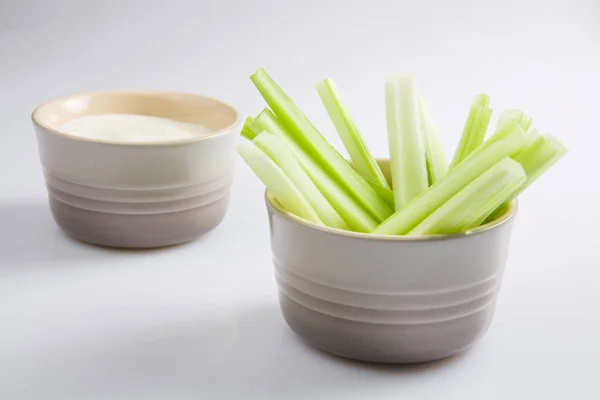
(201, 320)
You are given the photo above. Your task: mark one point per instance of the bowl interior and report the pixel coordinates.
(183, 107)
(507, 214)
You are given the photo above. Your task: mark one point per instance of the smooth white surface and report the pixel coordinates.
(130, 128)
(201, 320)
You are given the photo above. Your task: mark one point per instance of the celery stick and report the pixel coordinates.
(277, 182)
(386, 194)
(435, 156)
(310, 138)
(267, 121)
(362, 158)
(518, 116)
(503, 133)
(247, 132)
(274, 147)
(467, 208)
(357, 218)
(475, 128)
(530, 138)
(536, 159)
(407, 153)
(474, 165)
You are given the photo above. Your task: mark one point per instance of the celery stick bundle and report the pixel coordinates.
(425, 194)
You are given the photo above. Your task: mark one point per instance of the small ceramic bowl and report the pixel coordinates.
(138, 195)
(387, 299)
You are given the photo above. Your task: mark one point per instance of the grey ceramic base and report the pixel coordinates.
(385, 343)
(138, 231)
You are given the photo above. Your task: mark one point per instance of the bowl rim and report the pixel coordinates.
(506, 216)
(146, 92)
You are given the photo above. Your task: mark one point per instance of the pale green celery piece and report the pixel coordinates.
(503, 133)
(469, 207)
(403, 221)
(311, 139)
(267, 121)
(518, 116)
(536, 159)
(356, 217)
(407, 153)
(435, 155)
(277, 182)
(273, 146)
(530, 138)
(363, 160)
(475, 128)
(385, 193)
(247, 131)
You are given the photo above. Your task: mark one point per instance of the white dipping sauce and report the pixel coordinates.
(130, 128)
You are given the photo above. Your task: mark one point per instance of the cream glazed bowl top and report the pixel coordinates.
(387, 299)
(143, 194)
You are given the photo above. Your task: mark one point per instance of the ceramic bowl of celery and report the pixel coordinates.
(143, 194)
(387, 299)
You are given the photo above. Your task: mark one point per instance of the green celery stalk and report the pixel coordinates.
(310, 138)
(530, 138)
(247, 132)
(536, 158)
(503, 133)
(267, 121)
(435, 155)
(277, 182)
(518, 116)
(475, 128)
(274, 147)
(403, 221)
(356, 217)
(386, 194)
(363, 160)
(469, 207)
(407, 153)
